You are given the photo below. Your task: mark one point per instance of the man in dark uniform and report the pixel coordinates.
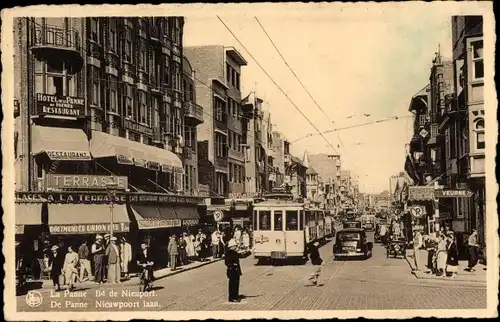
(232, 261)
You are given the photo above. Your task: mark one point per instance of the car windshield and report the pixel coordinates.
(349, 236)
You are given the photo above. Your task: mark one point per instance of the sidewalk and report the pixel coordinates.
(477, 277)
(159, 274)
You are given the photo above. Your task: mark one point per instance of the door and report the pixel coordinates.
(294, 235)
(278, 248)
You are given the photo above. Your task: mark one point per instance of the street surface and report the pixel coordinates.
(377, 283)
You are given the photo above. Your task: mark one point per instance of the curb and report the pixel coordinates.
(181, 270)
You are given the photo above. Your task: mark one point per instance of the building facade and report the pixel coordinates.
(100, 122)
(314, 183)
(328, 168)
(221, 155)
(278, 154)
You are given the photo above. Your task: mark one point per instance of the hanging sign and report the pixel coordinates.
(417, 211)
(424, 133)
(218, 215)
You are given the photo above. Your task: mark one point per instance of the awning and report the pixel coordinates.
(27, 214)
(151, 217)
(87, 219)
(62, 144)
(188, 215)
(130, 152)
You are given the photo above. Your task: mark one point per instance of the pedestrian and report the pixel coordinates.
(245, 237)
(473, 249)
(173, 251)
(222, 244)
(70, 268)
(126, 256)
(200, 245)
(452, 256)
(83, 257)
(98, 251)
(182, 249)
(237, 235)
(215, 243)
(316, 261)
(56, 264)
(420, 253)
(441, 254)
(189, 238)
(113, 254)
(383, 234)
(233, 271)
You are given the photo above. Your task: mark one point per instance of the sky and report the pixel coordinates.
(353, 62)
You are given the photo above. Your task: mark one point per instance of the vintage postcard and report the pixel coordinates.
(192, 161)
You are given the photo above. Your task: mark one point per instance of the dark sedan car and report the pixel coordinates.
(352, 242)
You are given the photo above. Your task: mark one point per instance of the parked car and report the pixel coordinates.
(352, 242)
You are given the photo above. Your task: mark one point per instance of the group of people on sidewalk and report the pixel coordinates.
(187, 248)
(67, 265)
(438, 253)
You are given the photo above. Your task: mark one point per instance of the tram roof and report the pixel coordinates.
(278, 203)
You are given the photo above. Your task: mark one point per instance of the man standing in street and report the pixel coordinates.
(316, 261)
(83, 256)
(420, 253)
(113, 254)
(126, 256)
(233, 272)
(98, 251)
(173, 251)
(215, 243)
(473, 248)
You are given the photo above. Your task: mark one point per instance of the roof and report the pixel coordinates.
(419, 100)
(236, 56)
(310, 170)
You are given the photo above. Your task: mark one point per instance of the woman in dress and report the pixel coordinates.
(452, 256)
(246, 240)
(441, 256)
(190, 245)
(70, 270)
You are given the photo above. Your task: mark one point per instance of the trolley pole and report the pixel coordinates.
(111, 187)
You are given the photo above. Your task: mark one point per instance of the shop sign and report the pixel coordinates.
(69, 197)
(60, 105)
(140, 163)
(137, 127)
(218, 215)
(454, 193)
(163, 199)
(420, 193)
(82, 181)
(166, 168)
(88, 228)
(151, 224)
(155, 166)
(123, 159)
(417, 211)
(190, 222)
(56, 155)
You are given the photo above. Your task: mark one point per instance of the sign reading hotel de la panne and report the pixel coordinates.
(82, 181)
(60, 105)
(103, 198)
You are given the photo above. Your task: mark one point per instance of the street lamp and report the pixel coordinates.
(111, 187)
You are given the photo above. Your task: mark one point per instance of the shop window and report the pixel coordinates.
(264, 220)
(278, 220)
(479, 129)
(292, 220)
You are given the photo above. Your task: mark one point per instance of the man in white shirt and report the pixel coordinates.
(420, 253)
(215, 243)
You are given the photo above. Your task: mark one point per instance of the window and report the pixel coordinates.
(479, 129)
(95, 85)
(155, 117)
(301, 221)
(166, 70)
(113, 36)
(129, 102)
(254, 219)
(142, 56)
(477, 60)
(191, 92)
(238, 81)
(278, 220)
(112, 95)
(264, 220)
(233, 78)
(228, 73)
(127, 55)
(143, 108)
(346, 236)
(94, 29)
(292, 220)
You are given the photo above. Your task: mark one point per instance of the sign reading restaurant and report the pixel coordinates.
(83, 181)
(56, 155)
(102, 198)
(60, 105)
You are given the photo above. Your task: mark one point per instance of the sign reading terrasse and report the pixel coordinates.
(60, 105)
(102, 198)
(56, 155)
(82, 181)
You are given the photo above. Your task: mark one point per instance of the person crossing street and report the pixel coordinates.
(317, 262)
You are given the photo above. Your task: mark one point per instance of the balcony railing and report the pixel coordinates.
(56, 36)
(193, 112)
(221, 125)
(236, 154)
(112, 60)
(221, 162)
(187, 153)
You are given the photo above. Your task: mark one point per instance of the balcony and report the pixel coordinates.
(220, 125)
(193, 113)
(155, 33)
(49, 42)
(221, 162)
(238, 155)
(143, 77)
(187, 153)
(111, 59)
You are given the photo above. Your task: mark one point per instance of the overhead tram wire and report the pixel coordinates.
(274, 82)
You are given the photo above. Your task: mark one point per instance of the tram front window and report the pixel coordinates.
(278, 220)
(292, 222)
(264, 220)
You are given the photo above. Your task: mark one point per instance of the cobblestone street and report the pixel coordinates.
(372, 284)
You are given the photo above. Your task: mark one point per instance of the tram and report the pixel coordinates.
(284, 227)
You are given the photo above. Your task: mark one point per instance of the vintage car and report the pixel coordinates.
(351, 224)
(352, 242)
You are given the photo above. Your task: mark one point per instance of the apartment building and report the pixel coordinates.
(221, 157)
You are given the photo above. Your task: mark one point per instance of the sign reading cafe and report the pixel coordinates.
(60, 105)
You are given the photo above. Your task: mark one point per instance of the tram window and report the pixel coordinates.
(278, 220)
(264, 220)
(254, 219)
(301, 221)
(292, 220)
